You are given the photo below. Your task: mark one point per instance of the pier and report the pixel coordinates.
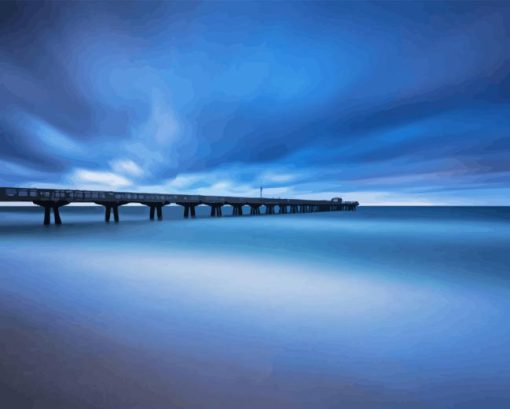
(51, 200)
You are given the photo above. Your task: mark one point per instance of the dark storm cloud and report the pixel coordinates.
(304, 97)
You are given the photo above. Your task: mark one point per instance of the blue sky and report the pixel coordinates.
(381, 102)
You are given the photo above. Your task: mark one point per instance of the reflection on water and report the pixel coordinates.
(382, 308)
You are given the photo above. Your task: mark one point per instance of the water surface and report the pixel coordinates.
(379, 308)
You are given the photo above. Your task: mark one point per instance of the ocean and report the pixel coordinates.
(385, 307)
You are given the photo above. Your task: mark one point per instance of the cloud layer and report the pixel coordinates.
(381, 102)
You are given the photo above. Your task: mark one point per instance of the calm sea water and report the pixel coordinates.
(379, 308)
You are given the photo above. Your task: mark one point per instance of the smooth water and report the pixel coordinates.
(379, 308)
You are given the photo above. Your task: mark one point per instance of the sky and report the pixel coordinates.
(381, 102)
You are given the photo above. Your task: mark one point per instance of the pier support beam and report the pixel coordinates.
(108, 212)
(238, 210)
(116, 213)
(269, 209)
(47, 215)
(155, 208)
(189, 209)
(48, 207)
(216, 210)
(255, 210)
(56, 215)
(108, 207)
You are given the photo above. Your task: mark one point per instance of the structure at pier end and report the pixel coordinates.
(52, 199)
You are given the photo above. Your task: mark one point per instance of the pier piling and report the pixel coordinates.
(108, 208)
(48, 207)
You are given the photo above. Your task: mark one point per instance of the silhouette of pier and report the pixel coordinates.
(53, 199)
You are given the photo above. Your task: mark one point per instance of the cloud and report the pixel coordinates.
(93, 179)
(127, 167)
